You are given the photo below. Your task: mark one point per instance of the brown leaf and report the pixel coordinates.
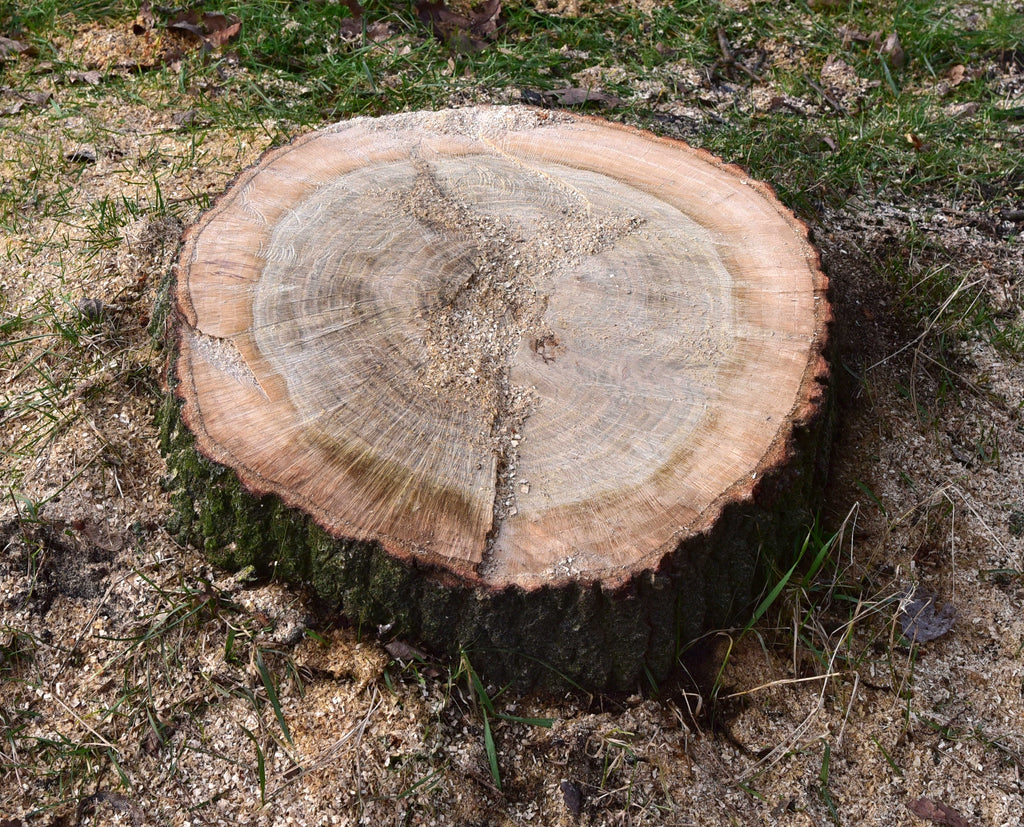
(10, 47)
(575, 95)
(914, 140)
(221, 28)
(461, 33)
(352, 29)
(937, 812)
(918, 618)
(212, 29)
(92, 77)
(892, 49)
(400, 650)
(145, 19)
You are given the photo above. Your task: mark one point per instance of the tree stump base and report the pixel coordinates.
(525, 384)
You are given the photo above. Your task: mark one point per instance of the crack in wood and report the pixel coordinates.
(224, 355)
(476, 325)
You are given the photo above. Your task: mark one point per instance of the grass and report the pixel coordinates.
(747, 85)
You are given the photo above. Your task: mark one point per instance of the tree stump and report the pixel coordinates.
(524, 383)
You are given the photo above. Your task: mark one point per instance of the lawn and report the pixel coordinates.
(883, 679)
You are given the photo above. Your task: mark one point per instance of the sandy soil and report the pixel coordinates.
(138, 685)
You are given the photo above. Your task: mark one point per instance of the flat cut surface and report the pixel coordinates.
(526, 346)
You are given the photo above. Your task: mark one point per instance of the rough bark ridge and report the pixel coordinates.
(533, 385)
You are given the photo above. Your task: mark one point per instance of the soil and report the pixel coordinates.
(140, 685)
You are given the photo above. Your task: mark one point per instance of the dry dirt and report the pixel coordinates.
(133, 675)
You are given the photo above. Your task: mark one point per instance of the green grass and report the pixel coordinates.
(289, 71)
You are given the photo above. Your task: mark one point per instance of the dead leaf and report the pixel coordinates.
(400, 650)
(576, 95)
(892, 49)
(92, 77)
(915, 141)
(937, 812)
(145, 19)
(9, 47)
(212, 29)
(919, 620)
(957, 74)
(462, 34)
(352, 28)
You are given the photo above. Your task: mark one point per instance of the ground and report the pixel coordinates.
(139, 684)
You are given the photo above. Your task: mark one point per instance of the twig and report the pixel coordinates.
(825, 96)
(784, 682)
(729, 57)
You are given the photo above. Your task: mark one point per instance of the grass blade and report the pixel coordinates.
(268, 684)
(492, 753)
(261, 765)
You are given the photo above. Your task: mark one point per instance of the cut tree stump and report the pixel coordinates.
(524, 384)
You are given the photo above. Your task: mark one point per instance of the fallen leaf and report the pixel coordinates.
(892, 49)
(461, 33)
(914, 140)
(572, 795)
(576, 95)
(921, 622)
(400, 650)
(145, 19)
(937, 812)
(212, 29)
(10, 47)
(92, 77)
(353, 28)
